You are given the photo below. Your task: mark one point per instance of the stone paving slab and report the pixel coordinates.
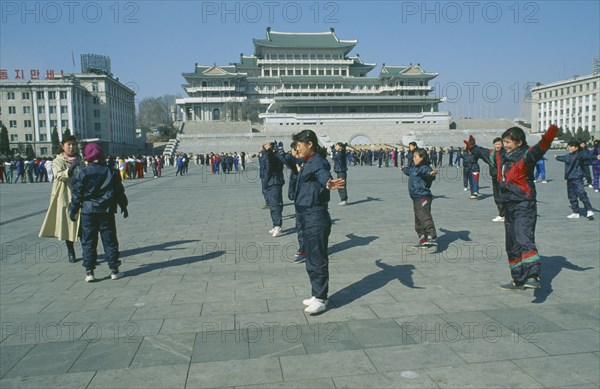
(210, 299)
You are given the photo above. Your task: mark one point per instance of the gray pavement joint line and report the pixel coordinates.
(22, 217)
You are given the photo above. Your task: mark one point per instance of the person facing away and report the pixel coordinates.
(97, 190)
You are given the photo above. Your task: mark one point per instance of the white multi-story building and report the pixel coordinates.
(92, 106)
(570, 104)
(310, 80)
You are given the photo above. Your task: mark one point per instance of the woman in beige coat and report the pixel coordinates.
(57, 223)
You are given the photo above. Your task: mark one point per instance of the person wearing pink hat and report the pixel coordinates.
(97, 190)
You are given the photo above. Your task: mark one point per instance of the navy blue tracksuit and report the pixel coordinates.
(575, 165)
(340, 167)
(96, 192)
(514, 174)
(290, 161)
(311, 202)
(471, 171)
(273, 185)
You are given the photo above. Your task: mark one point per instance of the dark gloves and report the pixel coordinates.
(470, 143)
(125, 213)
(73, 167)
(73, 211)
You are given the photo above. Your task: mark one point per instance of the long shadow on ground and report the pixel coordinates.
(374, 281)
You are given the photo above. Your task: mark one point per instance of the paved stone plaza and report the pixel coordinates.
(210, 299)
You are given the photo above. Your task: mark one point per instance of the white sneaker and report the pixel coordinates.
(596, 190)
(89, 276)
(498, 219)
(276, 232)
(590, 186)
(116, 276)
(466, 189)
(272, 230)
(311, 300)
(590, 213)
(544, 182)
(573, 216)
(343, 203)
(316, 306)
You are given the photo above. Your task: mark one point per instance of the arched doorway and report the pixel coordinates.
(216, 114)
(360, 139)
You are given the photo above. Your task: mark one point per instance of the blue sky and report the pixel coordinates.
(486, 52)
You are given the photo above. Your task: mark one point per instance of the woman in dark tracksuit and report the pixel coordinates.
(311, 202)
(517, 194)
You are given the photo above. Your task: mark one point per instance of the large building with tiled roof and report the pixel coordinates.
(309, 80)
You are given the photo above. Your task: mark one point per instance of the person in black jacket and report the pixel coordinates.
(340, 167)
(311, 201)
(97, 190)
(273, 186)
(421, 176)
(576, 162)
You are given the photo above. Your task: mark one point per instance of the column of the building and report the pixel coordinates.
(36, 124)
(589, 112)
(70, 99)
(58, 113)
(47, 108)
(577, 113)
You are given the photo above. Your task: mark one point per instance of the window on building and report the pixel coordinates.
(63, 109)
(52, 95)
(64, 123)
(96, 100)
(12, 110)
(28, 137)
(43, 150)
(96, 113)
(14, 137)
(52, 109)
(313, 72)
(40, 95)
(321, 72)
(63, 95)
(53, 123)
(41, 109)
(27, 123)
(42, 124)
(97, 126)
(26, 109)
(12, 123)
(95, 87)
(275, 72)
(25, 96)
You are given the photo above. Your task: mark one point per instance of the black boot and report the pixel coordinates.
(71, 252)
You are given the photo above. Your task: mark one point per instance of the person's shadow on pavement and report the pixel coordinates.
(374, 281)
(551, 267)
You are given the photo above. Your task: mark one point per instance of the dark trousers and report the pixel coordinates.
(264, 191)
(275, 201)
(424, 225)
(496, 191)
(587, 174)
(596, 171)
(316, 226)
(103, 223)
(474, 182)
(343, 192)
(520, 218)
(575, 191)
(300, 234)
